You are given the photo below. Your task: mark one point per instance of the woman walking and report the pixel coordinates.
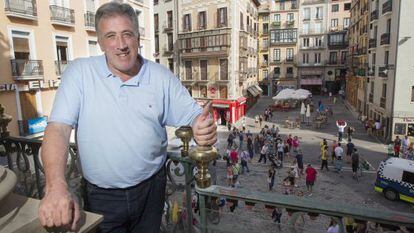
(324, 158)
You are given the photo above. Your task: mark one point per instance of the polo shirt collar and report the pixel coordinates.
(134, 81)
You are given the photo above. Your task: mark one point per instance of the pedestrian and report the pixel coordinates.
(333, 227)
(295, 143)
(339, 152)
(410, 153)
(277, 216)
(299, 160)
(260, 121)
(271, 177)
(377, 126)
(228, 126)
(341, 128)
(256, 144)
(334, 145)
(324, 158)
(243, 160)
(234, 157)
(390, 150)
(289, 141)
(241, 140)
(280, 151)
(350, 130)
(349, 149)
(250, 148)
(120, 107)
(263, 153)
(229, 173)
(405, 143)
(310, 178)
(334, 100)
(397, 146)
(330, 96)
(256, 120)
(236, 171)
(230, 140)
(355, 162)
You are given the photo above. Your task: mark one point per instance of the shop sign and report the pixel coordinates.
(406, 119)
(37, 125)
(8, 87)
(39, 84)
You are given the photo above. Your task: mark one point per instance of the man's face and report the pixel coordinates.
(118, 40)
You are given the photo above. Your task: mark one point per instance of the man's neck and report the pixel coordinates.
(125, 76)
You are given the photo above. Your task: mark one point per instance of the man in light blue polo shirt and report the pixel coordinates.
(120, 104)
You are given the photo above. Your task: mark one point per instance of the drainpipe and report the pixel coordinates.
(175, 34)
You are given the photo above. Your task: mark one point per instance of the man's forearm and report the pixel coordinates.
(54, 154)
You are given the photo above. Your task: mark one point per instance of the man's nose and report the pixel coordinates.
(121, 43)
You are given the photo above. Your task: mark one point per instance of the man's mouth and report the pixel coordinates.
(123, 54)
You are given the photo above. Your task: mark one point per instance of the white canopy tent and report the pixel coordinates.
(288, 93)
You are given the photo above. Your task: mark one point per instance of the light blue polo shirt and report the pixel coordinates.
(121, 132)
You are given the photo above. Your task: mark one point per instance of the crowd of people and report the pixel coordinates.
(401, 148)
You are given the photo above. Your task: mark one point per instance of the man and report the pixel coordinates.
(350, 148)
(405, 144)
(341, 128)
(339, 152)
(355, 162)
(310, 178)
(377, 126)
(119, 104)
(244, 157)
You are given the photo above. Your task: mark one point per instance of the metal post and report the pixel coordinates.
(203, 218)
(188, 180)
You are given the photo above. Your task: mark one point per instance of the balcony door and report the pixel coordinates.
(203, 69)
(223, 69)
(63, 55)
(188, 70)
(22, 52)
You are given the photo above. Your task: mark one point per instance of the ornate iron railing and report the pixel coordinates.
(90, 20)
(24, 7)
(62, 14)
(22, 68)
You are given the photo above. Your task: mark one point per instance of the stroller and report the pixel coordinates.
(274, 160)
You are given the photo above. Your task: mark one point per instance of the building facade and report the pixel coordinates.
(264, 22)
(312, 57)
(217, 43)
(357, 82)
(166, 33)
(283, 45)
(39, 39)
(391, 85)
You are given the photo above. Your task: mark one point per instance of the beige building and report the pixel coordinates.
(264, 22)
(391, 84)
(217, 40)
(283, 45)
(338, 25)
(39, 38)
(166, 32)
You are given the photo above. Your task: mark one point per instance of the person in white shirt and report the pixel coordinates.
(405, 144)
(377, 127)
(341, 129)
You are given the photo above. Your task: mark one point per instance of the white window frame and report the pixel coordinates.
(70, 45)
(30, 37)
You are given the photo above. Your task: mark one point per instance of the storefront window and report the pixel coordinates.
(399, 129)
(410, 131)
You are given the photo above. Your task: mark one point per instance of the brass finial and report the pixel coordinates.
(185, 133)
(5, 119)
(203, 155)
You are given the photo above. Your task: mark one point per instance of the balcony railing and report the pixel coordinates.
(264, 64)
(385, 39)
(60, 66)
(27, 69)
(383, 102)
(21, 8)
(374, 15)
(167, 27)
(276, 24)
(289, 75)
(290, 24)
(22, 157)
(275, 62)
(387, 7)
(168, 49)
(383, 71)
(312, 32)
(372, 43)
(286, 41)
(195, 44)
(62, 16)
(90, 21)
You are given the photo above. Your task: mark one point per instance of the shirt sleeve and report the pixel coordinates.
(182, 108)
(68, 97)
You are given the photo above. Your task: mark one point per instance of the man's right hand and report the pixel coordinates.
(59, 208)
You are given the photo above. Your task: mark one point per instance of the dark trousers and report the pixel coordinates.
(134, 209)
(262, 156)
(324, 164)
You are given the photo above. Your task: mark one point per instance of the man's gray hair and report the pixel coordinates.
(114, 8)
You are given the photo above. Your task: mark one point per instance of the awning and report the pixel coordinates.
(311, 81)
(253, 91)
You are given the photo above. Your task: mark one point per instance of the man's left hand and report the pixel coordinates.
(204, 128)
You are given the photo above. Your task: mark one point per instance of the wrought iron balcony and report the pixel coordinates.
(290, 24)
(374, 15)
(387, 7)
(275, 62)
(60, 66)
(385, 39)
(372, 43)
(195, 44)
(276, 24)
(62, 16)
(90, 21)
(289, 75)
(27, 69)
(25, 9)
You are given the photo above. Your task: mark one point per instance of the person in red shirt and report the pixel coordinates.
(234, 157)
(310, 178)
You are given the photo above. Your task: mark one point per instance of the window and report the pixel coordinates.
(187, 22)
(346, 22)
(305, 42)
(93, 48)
(188, 70)
(203, 91)
(336, 39)
(347, 6)
(170, 42)
(265, 74)
(289, 70)
(334, 23)
(157, 44)
(223, 92)
(332, 57)
(265, 43)
(317, 58)
(265, 28)
(318, 27)
(156, 22)
(412, 94)
(222, 17)
(386, 56)
(277, 17)
(276, 54)
(289, 54)
(335, 7)
(306, 13)
(400, 128)
(306, 28)
(155, 2)
(283, 36)
(410, 130)
(282, 6)
(408, 177)
(319, 13)
(169, 19)
(202, 20)
(305, 58)
(171, 64)
(276, 70)
(223, 69)
(290, 17)
(344, 54)
(318, 42)
(203, 69)
(241, 21)
(384, 90)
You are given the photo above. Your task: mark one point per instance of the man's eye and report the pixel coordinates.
(110, 36)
